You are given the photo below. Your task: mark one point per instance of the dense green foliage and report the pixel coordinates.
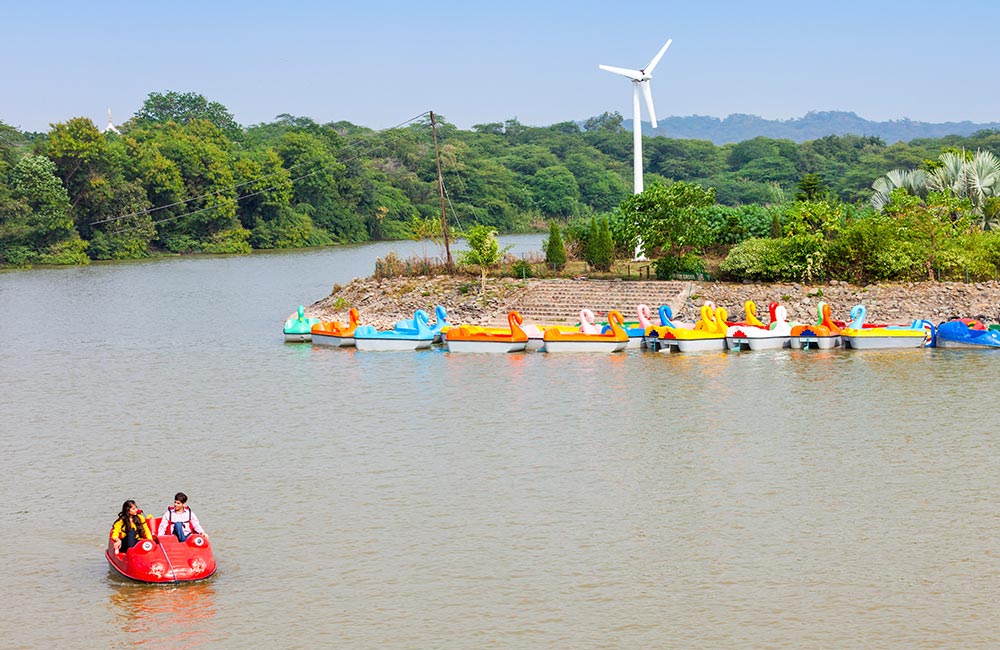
(183, 177)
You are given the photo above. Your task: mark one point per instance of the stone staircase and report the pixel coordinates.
(560, 300)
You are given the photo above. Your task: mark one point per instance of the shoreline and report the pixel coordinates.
(382, 302)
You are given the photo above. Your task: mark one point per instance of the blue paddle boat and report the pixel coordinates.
(958, 334)
(442, 322)
(399, 337)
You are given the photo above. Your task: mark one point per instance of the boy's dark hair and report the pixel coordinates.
(180, 496)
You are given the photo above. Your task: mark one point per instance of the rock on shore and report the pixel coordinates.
(383, 302)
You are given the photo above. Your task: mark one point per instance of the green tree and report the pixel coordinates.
(607, 122)
(556, 190)
(206, 218)
(81, 155)
(812, 188)
(667, 218)
(555, 251)
(185, 107)
(126, 227)
(484, 251)
(40, 228)
(600, 247)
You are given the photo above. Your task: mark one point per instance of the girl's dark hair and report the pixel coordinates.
(126, 518)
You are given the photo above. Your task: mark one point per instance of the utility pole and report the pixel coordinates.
(444, 220)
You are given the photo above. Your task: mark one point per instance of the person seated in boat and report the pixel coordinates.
(130, 527)
(179, 520)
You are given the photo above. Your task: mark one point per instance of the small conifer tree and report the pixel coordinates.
(604, 248)
(555, 250)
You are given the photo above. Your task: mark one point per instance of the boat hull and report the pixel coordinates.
(391, 344)
(298, 337)
(497, 347)
(817, 342)
(701, 345)
(333, 341)
(165, 560)
(585, 346)
(884, 342)
(758, 342)
(535, 343)
(966, 345)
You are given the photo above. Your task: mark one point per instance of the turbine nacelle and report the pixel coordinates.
(640, 80)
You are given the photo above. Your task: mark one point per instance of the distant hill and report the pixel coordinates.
(815, 124)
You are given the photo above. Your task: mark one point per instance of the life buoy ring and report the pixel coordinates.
(197, 540)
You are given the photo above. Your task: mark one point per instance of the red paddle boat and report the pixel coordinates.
(164, 559)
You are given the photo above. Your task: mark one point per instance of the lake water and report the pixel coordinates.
(425, 500)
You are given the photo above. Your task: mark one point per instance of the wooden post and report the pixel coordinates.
(444, 220)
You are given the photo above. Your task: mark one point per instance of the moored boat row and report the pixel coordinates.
(712, 332)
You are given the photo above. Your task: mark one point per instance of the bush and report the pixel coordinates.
(522, 269)
(769, 260)
(670, 265)
(22, 256)
(873, 249)
(68, 251)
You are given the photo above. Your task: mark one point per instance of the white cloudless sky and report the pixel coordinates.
(379, 63)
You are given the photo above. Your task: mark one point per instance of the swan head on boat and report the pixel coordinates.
(858, 314)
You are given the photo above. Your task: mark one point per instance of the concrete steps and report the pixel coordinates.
(560, 301)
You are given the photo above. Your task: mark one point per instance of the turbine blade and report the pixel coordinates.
(656, 59)
(649, 103)
(631, 74)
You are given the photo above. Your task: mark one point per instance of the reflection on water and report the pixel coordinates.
(163, 616)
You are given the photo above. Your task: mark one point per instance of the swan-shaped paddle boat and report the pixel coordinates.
(858, 337)
(966, 333)
(164, 559)
(536, 333)
(298, 329)
(469, 338)
(335, 333)
(637, 330)
(708, 334)
(437, 326)
(420, 336)
(775, 336)
(824, 335)
(615, 340)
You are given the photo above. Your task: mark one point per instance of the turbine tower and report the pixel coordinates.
(640, 82)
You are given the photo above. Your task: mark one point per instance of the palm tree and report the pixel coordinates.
(976, 178)
(913, 181)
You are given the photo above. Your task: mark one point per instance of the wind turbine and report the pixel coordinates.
(640, 82)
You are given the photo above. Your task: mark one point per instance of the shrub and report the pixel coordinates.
(873, 249)
(522, 269)
(670, 265)
(770, 260)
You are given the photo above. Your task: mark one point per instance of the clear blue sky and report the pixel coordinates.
(379, 63)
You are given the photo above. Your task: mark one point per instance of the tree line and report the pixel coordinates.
(181, 176)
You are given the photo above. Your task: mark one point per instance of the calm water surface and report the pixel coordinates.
(427, 500)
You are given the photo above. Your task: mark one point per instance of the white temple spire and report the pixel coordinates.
(111, 125)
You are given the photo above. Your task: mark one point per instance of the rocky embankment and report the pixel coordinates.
(886, 303)
(383, 302)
